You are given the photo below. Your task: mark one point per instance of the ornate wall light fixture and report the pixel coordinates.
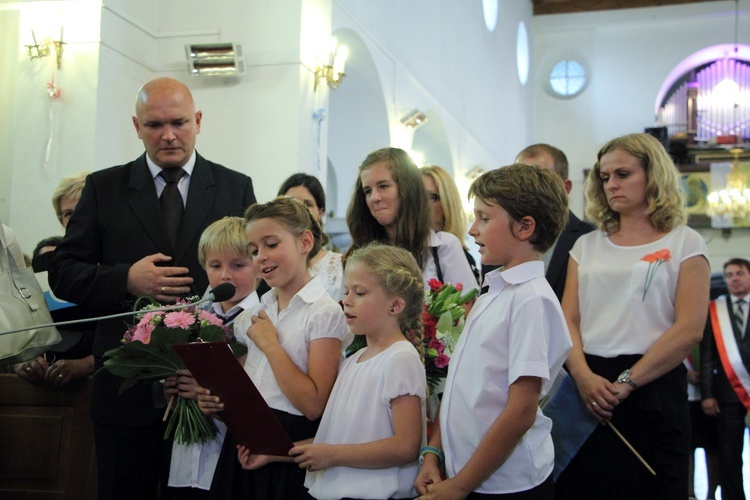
(332, 71)
(41, 50)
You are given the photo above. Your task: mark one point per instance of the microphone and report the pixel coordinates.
(219, 293)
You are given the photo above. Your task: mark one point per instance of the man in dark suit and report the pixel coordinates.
(556, 258)
(119, 245)
(725, 356)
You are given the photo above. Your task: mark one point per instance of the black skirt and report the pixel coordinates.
(279, 480)
(655, 420)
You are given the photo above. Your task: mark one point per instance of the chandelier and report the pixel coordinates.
(734, 200)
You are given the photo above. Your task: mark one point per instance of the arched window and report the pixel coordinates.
(709, 99)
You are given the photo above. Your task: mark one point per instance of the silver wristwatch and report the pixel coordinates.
(624, 378)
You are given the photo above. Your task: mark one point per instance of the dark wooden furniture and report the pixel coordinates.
(46, 441)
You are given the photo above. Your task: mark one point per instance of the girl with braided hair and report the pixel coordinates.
(369, 438)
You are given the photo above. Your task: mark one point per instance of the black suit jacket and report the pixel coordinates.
(558, 264)
(557, 270)
(714, 381)
(116, 223)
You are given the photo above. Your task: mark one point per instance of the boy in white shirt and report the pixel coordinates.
(490, 435)
(223, 253)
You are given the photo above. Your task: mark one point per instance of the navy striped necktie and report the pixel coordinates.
(227, 320)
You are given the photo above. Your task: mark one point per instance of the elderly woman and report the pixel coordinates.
(71, 359)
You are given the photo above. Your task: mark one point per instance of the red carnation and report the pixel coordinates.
(435, 284)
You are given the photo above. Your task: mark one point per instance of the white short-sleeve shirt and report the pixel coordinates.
(516, 329)
(331, 267)
(622, 290)
(359, 411)
(453, 263)
(311, 315)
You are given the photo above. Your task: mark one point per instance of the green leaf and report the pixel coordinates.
(211, 333)
(470, 295)
(238, 349)
(445, 322)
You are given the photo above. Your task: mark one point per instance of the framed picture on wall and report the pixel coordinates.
(696, 183)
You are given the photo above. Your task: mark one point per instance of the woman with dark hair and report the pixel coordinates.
(309, 191)
(389, 204)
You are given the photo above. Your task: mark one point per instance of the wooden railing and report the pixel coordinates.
(46, 441)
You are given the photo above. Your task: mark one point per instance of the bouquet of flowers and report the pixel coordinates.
(443, 319)
(147, 355)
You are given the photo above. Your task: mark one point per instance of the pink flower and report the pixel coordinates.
(128, 337)
(442, 360)
(209, 317)
(437, 345)
(143, 333)
(179, 319)
(148, 317)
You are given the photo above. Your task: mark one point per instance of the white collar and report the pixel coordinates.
(156, 169)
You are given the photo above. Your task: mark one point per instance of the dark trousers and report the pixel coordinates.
(545, 491)
(730, 427)
(129, 461)
(184, 494)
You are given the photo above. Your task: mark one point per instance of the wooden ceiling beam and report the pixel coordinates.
(545, 7)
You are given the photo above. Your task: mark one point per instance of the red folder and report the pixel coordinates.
(246, 413)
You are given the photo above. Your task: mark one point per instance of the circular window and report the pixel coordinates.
(567, 78)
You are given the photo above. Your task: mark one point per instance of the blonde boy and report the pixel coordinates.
(223, 253)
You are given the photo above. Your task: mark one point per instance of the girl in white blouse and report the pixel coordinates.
(295, 340)
(372, 428)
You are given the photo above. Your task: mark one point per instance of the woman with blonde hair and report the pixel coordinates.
(71, 359)
(445, 203)
(635, 301)
(66, 196)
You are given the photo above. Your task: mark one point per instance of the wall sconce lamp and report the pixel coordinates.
(215, 59)
(332, 72)
(41, 50)
(414, 119)
(474, 173)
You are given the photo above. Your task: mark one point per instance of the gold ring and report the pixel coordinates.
(61, 376)
(28, 368)
(593, 403)
(163, 289)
